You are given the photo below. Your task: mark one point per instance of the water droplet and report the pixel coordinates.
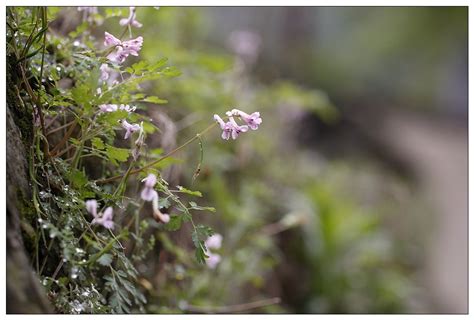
(76, 43)
(74, 273)
(40, 220)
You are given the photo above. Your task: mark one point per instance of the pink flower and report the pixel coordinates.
(105, 219)
(148, 193)
(225, 126)
(118, 56)
(108, 107)
(111, 40)
(131, 19)
(237, 129)
(133, 46)
(104, 72)
(123, 49)
(150, 180)
(214, 241)
(91, 207)
(127, 108)
(252, 120)
(213, 260)
(131, 128)
(114, 107)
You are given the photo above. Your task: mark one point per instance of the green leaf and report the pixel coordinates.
(150, 128)
(155, 66)
(138, 67)
(170, 72)
(194, 206)
(112, 118)
(105, 259)
(154, 99)
(82, 95)
(117, 154)
(77, 178)
(174, 223)
(187, 191)
(199, 235)
(98, 143)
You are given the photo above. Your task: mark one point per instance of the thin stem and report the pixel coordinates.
(55, 273)
(65, 138)
(234, 308)
(151, 164)
(58, 128)
(46, 258)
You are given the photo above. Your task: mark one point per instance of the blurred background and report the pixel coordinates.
(352, 195)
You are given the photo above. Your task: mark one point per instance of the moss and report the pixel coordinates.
(27, 216)
(22, 116)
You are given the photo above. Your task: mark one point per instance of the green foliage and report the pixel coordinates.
(85, 267)
(260, 189)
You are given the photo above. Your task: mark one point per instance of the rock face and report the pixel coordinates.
(24, 291)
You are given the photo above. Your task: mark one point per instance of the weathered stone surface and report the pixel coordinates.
(24, 291)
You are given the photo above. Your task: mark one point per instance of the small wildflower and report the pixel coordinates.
(111, 40)
(150, 180)
(133, 46)
(108, 107)
(149, 194)
(123, 49)
(114, 107)
(214, 241)
(91, 207)
(118, 56)
(127, 108)
(131, 128)
(139, 142)
(104, 72)
(225, 126)
(232, 128)
(131, 20)
(252, 120)
(237, 129)
(105, 220)
(213, 260)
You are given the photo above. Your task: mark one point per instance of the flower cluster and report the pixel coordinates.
(114, 107)
(105, 219)
(213, 242)
(131, 20)
(150, 194)
(232, 128)
(122, 48)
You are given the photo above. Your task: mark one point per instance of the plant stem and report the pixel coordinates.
(151, 164)
(234, 308)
